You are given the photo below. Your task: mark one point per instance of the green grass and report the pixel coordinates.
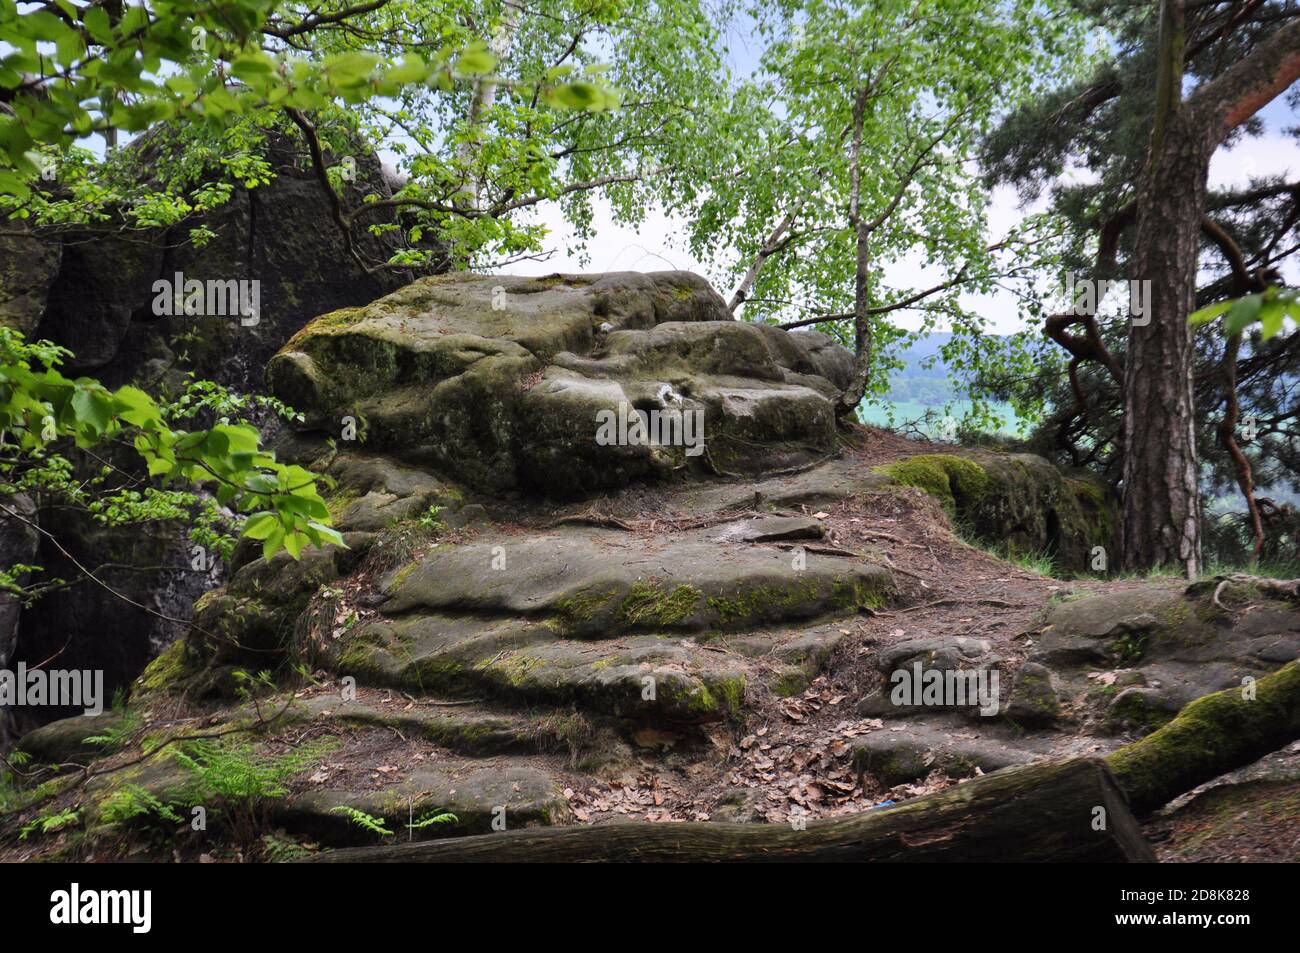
(1284, 570)
(1160, 572)
(1042, 563)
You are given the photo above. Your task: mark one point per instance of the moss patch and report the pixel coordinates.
(956, 481)
(651, 605)
(173, 666)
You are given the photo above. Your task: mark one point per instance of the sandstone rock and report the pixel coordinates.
(28, 267)
(1168, 644)
(90, 288)
(896, 757)
(502, 381)
(1033, 697)
(1019, 502)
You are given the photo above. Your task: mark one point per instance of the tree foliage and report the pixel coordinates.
(849, 154)
(219, 476)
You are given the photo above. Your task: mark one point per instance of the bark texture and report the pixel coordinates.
(1039, 812)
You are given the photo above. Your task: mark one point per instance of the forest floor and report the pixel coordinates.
(784, 756)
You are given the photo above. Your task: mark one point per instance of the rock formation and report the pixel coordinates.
(534, 626)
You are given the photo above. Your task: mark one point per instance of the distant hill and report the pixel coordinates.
(917, 388)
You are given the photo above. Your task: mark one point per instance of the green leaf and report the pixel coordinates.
(293, 543)
(93, 408)
(412, 69)
(1271, 317)
(261, 525)
(1209, 312)
(252, 65)
(1242, 314)
(475, 61)
(98, 25)
(272, 544)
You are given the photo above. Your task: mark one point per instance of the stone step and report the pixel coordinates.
(512, 793)
(590, 583)
(466, 728)
(420, 781)
(654, 677)
(896, 755)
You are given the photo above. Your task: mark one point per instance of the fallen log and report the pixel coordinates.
(1210, 736)
(1037, 812)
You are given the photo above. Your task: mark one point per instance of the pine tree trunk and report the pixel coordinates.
(1161, 495)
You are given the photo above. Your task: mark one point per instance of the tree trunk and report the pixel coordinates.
(779, 237)
(862, 337)
(862, 343)
(1038, 812)
(470, 194)
(1161, 492)
(1211, 736)
(1161, 498)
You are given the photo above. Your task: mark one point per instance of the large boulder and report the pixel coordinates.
(1020, 502)
(92, 288)
(506, 382)
(29, 265)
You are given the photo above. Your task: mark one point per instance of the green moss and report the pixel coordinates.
(169, 670)
(856, 594)
(769, 603)
(403, 574)
(651, 605)
(338, 503)
(958, 483)
(1136, 711)
(514, 669)
(790, 682)
(763, 602)
(1208, 737)
(1129, 647)
(719, 697)
(580, 609)
(327, 324)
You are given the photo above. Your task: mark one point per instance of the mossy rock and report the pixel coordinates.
(169, 672)
(499, 380)
(1019, 502)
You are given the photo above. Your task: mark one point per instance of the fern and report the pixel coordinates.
(50, 823)
(433, 818)
(118, 735)
(131, 802)
(238, 773)
(283, 850)
(363, 820)
(10, 794)
(237, 780)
